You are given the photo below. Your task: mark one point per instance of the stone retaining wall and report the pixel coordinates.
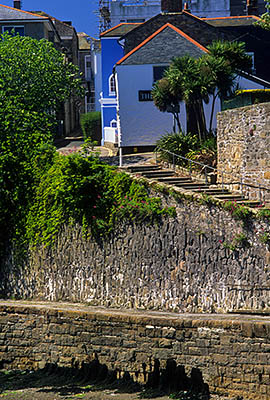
(196, 262)
(244, 147)
(230, 356)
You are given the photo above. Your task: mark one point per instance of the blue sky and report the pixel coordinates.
(80, 12)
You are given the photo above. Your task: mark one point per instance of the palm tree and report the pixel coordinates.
(223, 62)
(165, 100)
(186, 81)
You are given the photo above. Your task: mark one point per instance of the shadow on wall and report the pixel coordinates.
(73, 380)
(174, 379)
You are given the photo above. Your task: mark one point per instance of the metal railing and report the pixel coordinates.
(205, 170)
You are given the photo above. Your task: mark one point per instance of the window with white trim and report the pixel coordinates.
(113, 123)
(112, 85)
(14, 29)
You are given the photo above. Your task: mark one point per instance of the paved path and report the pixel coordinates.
(138, 313)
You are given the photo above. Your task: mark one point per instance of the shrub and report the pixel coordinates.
(206, 154)
(91, 125)
(177, 143)
(83, 190)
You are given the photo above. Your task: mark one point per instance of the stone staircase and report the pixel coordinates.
(169, 177)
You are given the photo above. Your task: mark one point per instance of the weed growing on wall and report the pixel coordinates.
(83, 190)
(238, 211)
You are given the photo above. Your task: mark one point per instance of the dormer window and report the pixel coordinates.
(112, 86)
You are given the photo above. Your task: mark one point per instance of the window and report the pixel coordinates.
(158, 72)
(87, 67)
(112, 86)
(18, 29)
(251, 54)
(113, 123)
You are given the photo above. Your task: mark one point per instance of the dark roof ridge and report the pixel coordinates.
(118, 25)
(23, 11)
(167, 25)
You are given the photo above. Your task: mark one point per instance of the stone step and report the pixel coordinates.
(143, 168)
(231, 197)
(194, 186)
(157, 174)
(175, 180)
(212, 191)
(250, 203)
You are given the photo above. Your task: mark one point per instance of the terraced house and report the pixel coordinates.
(135, 55)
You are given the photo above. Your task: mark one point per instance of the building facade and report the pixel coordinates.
(133, 56)
(113, 12)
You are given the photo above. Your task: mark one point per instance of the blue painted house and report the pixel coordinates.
(111, 52)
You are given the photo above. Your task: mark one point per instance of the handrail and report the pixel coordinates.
(206, 167)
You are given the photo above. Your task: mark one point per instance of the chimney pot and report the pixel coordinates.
(17, 4)
(171, 6)
(186, 7)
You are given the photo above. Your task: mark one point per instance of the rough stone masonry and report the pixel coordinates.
(229, 354)
(244, 147)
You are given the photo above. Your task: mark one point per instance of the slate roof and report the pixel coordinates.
(9, 13)
(257, 40)
(121, 29)
(222, 22)
(83, 42)
(194, 27)
(166, 43)
(63, 29)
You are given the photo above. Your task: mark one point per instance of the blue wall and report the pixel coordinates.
(111, 52)
(109, 113)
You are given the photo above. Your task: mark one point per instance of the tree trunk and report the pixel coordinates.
(212, 112)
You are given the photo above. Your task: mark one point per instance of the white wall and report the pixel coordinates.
(141, 123)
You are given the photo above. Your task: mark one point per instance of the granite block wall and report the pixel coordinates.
(244, 147)
(229, 355)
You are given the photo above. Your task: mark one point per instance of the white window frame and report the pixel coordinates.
(13, 27)
(112, 123)
(112, 84)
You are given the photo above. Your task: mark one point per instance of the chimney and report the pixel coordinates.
(17, 4)
(186, 7)
(168, 6)
(252, 7)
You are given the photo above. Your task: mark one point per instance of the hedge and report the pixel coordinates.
(91, 126)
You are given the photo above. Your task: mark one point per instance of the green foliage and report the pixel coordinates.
(34, 81)
(236, 242)
(165, 100)
(238, 211)
(264, 22)
(34, 75)
(91, 125)
(189, 395)
(25, 152)
(206, 154)
(265, 238)
(85, 191)
(179, 144)
(264, 213)
(195, 80)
